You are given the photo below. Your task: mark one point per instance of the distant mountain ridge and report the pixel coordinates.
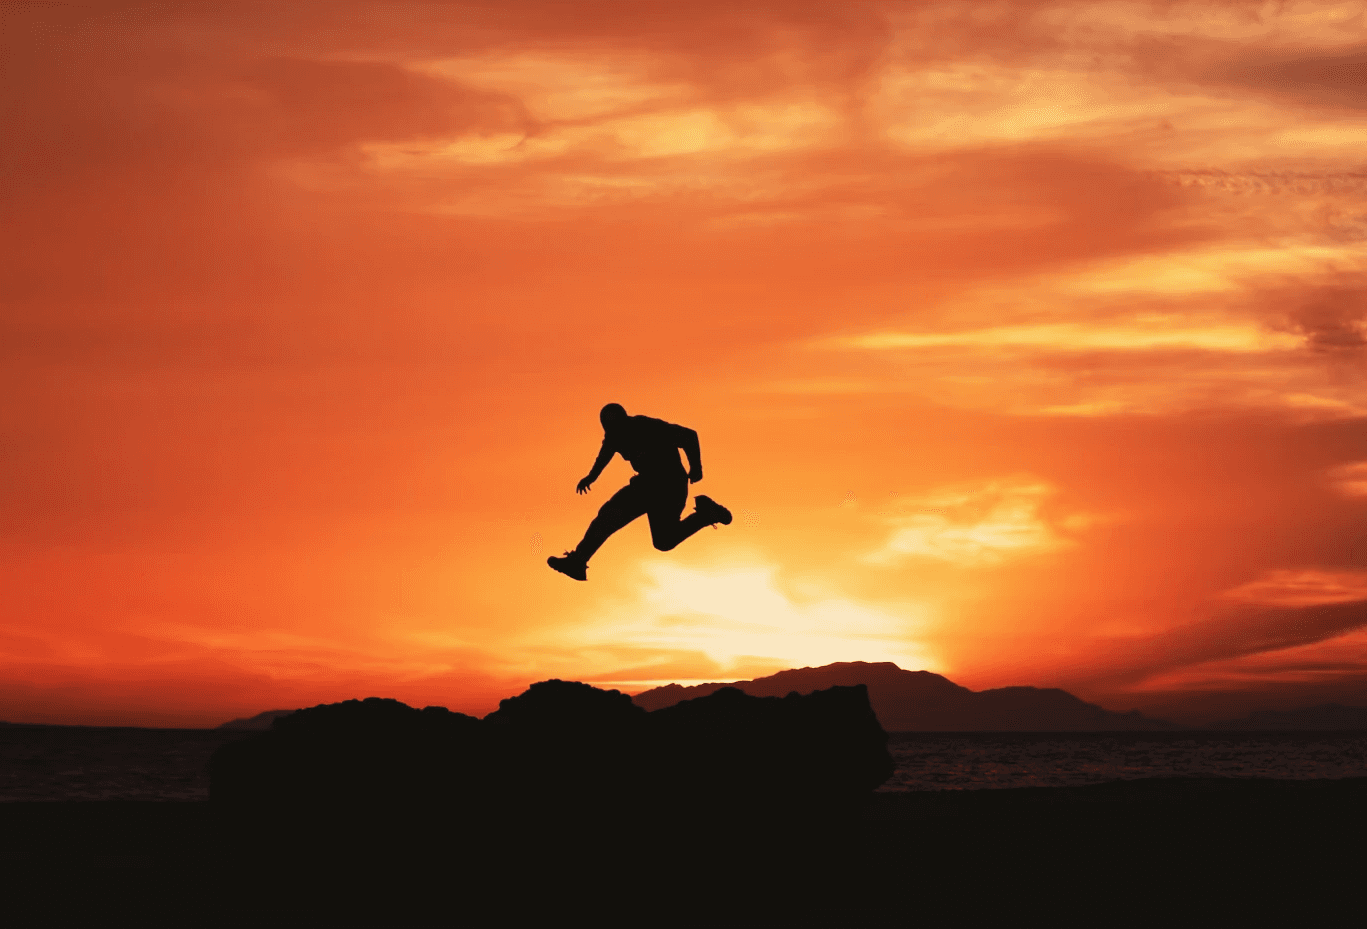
(920, 701)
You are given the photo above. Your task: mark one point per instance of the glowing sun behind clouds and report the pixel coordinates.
(741, 622)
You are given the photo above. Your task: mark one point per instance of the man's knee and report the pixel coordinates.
(614, 516)
(664, 545)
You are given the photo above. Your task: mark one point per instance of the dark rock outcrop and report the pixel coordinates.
(919, 701)
(379, 751)
(798, 752)
(565, 749)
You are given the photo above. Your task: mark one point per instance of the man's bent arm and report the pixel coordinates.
(604, 456)
(688, 441)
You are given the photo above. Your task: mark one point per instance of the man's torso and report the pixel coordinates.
(650, 445)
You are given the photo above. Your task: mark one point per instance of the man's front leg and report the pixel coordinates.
(613, 515)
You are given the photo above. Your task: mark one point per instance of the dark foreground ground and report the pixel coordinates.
(1172, 849)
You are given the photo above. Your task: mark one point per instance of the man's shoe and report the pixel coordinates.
(571, 566)
(711, 510)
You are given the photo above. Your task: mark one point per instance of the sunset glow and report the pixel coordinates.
(1026, 342)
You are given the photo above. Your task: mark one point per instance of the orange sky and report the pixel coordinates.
(1025, 340)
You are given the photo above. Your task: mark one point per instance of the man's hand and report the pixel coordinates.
(695, 475)
(584, 486)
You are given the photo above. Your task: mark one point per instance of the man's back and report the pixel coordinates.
(650, 445)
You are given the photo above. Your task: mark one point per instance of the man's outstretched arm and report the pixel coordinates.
(604, 456)
(688, 441)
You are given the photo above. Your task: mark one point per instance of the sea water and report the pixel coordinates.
(97, 763)
(90, 763)
(974, 760)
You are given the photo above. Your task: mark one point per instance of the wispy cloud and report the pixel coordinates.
(1126, 339)
(1351, 479)
(1145, 334)
(980, 525)
(1303, 587)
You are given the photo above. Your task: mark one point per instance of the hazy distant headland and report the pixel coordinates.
(259, 721)
(919, 701)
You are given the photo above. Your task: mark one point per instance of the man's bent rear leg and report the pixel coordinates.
(667, 530)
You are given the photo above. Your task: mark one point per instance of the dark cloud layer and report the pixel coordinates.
(1336, 78)
(1240, 633)
(1333, 319)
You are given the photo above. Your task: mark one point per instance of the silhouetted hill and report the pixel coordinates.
(1327, 716)
(259, 721)
(919, 701)
(564, 748)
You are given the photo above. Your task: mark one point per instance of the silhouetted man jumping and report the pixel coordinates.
(659, 490)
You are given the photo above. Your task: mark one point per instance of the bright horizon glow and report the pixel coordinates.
(738, 616)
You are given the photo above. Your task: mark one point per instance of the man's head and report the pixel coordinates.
(612, 416)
